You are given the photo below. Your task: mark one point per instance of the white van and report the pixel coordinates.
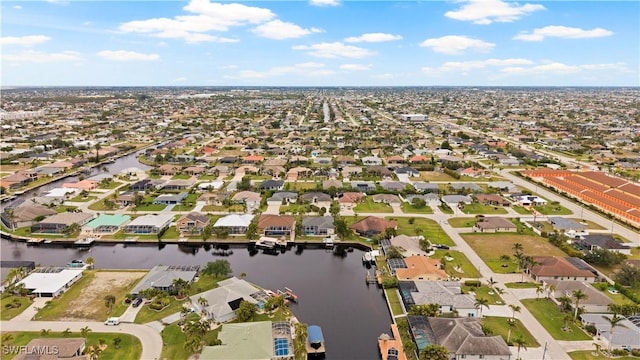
(112, 321)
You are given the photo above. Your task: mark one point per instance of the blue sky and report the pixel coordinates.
(320, 42)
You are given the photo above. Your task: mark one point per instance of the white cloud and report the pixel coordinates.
(279, 30)
(228, 67)
(373, 37)
(560, 68)
(465, 66)
(42, 57)
(28, 40)
(124, 55)
(355, 67)
(324, 2)
(335, 50)
(562, 32)
(17, 7)
(457, 44)
(485, 12)
(208, 17)
(309, 69)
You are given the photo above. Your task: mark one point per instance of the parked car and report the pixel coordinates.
(136, 302)
(112, 321)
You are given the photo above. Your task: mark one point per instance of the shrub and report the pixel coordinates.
(473, 283)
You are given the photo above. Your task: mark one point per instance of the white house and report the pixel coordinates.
(237, 224)
(220, 304)
(52, 282)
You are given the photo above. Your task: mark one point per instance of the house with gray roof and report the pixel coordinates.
(430, 199)
(454, 200)
(603, 241)
(625, 336)
(465, 186)
(447, 294)
(315, 197)
(318, 225)
(162, 277)
(564, 224)
(386, 198)
(220, 304)
(59, 223)
(363, 186)
(393, 185)
(271, 185)
(595, 302)
(423, 186)
(287, 196)
(170, 199)
(148, 224)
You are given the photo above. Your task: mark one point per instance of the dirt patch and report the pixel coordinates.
(90, 303)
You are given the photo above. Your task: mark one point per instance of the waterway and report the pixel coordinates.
(331, 289)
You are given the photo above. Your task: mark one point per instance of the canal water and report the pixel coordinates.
(331, 289)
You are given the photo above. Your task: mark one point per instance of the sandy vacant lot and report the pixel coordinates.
(90, 304)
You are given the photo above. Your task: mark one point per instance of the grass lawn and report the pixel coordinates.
(302, 186)
(232, 208)
(26, 231)
(173, 340)
(550, 209)
(491, 246)
(410, 209)
(130, 347)
(468, 270)
(81, 198)
(146, 314)
(500, 326)
(110, 185)
(587, 355)
(521, 210)
(484, 292)
(149, 207)
(445, 209)
(368, 206)
(10, 313)
(541, 225)
(207, 178)
(462, 222)
(85, 299)
(548, 315)
(617, 298)
(405, 337)
(430, 229)
(435, 176)
(590, 224)
(394, 300)
(477, 208)
(204, 283)
(522, 285)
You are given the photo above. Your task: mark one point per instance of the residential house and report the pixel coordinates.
(178, 184)
(348, 200)
(163, 277)
(318, 225)
(106, 224)
(391, 347)
(430, 199)
(220, 304)
(276, 225)
(393, 185)
(53, 349)
(149, 224)
(461, 187)
(421, 268)
(372, 225)
(283, 196)
(168, 169)
(596, 301)
(251, 341)
(87, 185)
(60, 223)
(626, 335)
(25, 214)
(267, 185)
(363, 186)
(422, 186)
(603, 241)
(494, 224)
(234, 224)
(331, 183)
(447, 294)
(408, 171)
(249, 198)
(316, 197)
(566, 225)
(492, 199)
(386, 198)
(142, 185)
(371, 161)
(561, 268)
(51, 282)
(528, 200)
(192, 223)
(170, 199)
(464, 338)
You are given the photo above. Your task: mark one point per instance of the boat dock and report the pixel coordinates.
(315, 341)
(288, 294)
(86, 242)
(374, 279)
(35, 241)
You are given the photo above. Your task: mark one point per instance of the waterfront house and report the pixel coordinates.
(372, 225)
(260, 340)
(318, 225)
(447, 294)
(192, 223)
(464, 338)
(234, 224)
(106, 224)
(276, 225)
(60, 223)
(494, 224)
(561, 268)
(220, 304)
(391, 347)
(25, 214)
(148, 224)
(162, 277)
(50, 282)
(421, 268)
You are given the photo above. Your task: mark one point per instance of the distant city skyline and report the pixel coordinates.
(320, 43)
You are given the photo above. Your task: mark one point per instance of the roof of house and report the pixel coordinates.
(64, 348)
(557, 266)
(566, 287)
(234, 220)
(228, 291)
(628, 334)
(455, 199)
(443, 293)
(387, 198)
(373, 223)
(242, 341)
(464, 336)
(108, 220)
(49, 282)
(604, 241)
(269, 220)
(194, 216)
(172, 197)
(67, 218)
(566, 224)
(28, 211)
(421, 265)
(280, 195)
(323, 222)
(318, 196)
(247, 196)
(271, 184)
(151, 220)
(162, 276)
(350, 197)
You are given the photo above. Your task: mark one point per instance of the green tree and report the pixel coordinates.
(520, 342)
(84, 332)
(299, 343)
(511, 324)
(393, 253)
(45, 332)
(246, 311)
(220, 268)
(614, 322)
(480, 303)
(434, 352)
(116, 342)
(578, 295)
(90, 261)
(628, 275)
(430, 310)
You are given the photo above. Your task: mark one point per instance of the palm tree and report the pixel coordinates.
(94, 352)
(578, 295)
(84, 332)
(7, 339)
(434, 352)
(520, 343)
(90, 261)
(202, 301)
(45, 332)
(514, 309)
(109, 300)
(550, 290)
(512, 325)
(66, 332)
(539, 291)
(480, 302)
(614, 321)
(491, 282)
(566, 322)
(517, 248)
(116, 342)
